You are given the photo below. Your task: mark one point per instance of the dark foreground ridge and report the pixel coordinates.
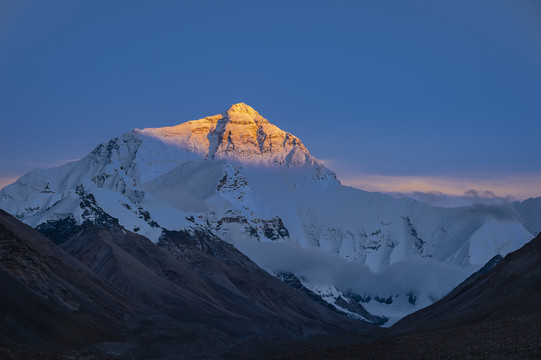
(510, 290)
(492, 315)
(107, 291)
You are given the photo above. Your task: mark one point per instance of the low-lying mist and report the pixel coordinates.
(426, 278)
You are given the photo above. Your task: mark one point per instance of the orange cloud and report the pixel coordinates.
(517, 185)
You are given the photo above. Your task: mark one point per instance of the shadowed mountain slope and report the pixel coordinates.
(239, 177)
(106, 290)
(494, 314)
(529, 212)
(196, 277)
(48, 299)
(512, 289)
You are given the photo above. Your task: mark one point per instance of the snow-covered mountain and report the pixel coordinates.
(258, 187)
(529, 212)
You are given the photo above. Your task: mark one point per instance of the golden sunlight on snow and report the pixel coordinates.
(240, 133)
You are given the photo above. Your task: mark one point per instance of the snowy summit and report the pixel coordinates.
(240, 134)
(237, 176)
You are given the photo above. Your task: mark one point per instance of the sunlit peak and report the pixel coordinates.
(241, 108)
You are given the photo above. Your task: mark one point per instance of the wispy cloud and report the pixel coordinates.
(470, 197)
(520, 186)
(474, 187)
(426, 277)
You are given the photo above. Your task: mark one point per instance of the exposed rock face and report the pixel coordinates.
(240, 134)
(242, 179)
(199, 278)
(191, 292)
(48, 299)
(347, 305)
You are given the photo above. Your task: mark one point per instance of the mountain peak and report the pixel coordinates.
(241, 108)
(245, 115)
(240, 133)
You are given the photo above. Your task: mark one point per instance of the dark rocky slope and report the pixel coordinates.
(494, 314)
(201, 279)
(48, 299)
(106, 290)
(512, 289)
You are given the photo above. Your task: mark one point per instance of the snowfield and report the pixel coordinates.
(256, 186)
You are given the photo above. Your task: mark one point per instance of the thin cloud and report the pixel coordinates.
(470, 197)
(520, 186)
(501, 212)
(495, 186)
(426, 277)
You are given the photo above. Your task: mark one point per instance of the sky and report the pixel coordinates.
(395, 96)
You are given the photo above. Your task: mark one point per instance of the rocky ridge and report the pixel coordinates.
(240, 178)
(105, 290)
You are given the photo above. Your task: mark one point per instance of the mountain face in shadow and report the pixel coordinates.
(529, 212)
(239, 177)
(197, 277)
(190, 294)
(48, 299)
(494, 314)
(511, 289)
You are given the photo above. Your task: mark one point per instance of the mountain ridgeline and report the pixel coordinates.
(107, 290)
(494, 314)
(238, 178)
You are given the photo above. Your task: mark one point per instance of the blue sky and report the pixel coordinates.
(393, 95)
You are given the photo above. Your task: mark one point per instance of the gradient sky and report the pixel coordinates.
(393, 95)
